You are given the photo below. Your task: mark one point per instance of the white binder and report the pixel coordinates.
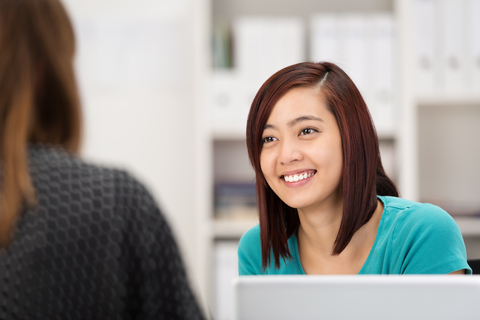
(324, 38)
(453, 46)
(426, 26)
(264, 45)
(354, 52)
(473, 45)
(381, 68)
(229, 107)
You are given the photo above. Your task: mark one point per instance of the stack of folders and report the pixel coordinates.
(363, 46)
(235, 200)
(447, 56)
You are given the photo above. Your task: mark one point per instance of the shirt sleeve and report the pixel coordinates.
(429, 242)
(250, 253)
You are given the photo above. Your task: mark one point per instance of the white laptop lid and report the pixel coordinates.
(353, 297)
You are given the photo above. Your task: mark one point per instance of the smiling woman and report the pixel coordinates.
(326, 205)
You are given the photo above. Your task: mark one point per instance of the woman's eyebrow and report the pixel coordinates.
(295, 121)
(268, 126)
(304, 118)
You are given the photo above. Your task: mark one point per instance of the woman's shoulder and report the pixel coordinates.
(406, 214)
(251, 237)
(406, 207)
(421, 237)
(250, 252)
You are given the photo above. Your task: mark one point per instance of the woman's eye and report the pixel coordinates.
(307, 131)
(268, 139)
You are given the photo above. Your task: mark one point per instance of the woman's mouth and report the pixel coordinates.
(298, 177)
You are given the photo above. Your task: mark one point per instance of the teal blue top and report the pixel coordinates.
(412, 238)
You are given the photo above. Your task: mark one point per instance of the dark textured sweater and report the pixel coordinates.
(95, 246)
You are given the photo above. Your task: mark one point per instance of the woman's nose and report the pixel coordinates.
(289, 152)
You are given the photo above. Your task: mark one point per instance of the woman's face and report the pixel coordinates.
(301, 156)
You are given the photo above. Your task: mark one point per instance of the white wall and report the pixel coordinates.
(135, 68)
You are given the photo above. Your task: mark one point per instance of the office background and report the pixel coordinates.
(166, 86)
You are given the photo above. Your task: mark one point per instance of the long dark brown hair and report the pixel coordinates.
(39, 100)
(363, 176)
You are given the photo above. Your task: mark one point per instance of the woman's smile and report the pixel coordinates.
(298, 179)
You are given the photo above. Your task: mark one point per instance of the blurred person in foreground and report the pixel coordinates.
(76, 241)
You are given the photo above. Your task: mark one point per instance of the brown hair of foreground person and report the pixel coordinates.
(39, 100)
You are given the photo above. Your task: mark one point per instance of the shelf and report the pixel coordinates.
(469, 226)
(386, 134)
(235, 133)
(416, 115)
(448, 100)
(232, 133)
(229, 9)
(231, 228)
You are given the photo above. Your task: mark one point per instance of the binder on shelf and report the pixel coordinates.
(235, 200)
(229, 111)
(264, 45)
(354, 47)
(222, 57)
(381, 71)
(473, 45)
(426, 26)
(325, 38)
(453, 46)
(363, 46)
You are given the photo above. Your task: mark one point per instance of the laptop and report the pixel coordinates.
(356, 297)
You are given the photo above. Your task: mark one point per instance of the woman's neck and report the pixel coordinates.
(319, 229)
(316, 238)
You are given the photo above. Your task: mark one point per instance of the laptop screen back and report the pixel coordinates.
(353, 297)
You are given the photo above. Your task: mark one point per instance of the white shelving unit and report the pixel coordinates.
(214, 144)
(231, 229)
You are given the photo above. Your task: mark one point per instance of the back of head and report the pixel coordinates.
(39, 100)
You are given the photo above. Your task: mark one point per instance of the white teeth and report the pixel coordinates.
(298, 177)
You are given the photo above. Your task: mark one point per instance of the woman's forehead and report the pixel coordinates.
(299, 103)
